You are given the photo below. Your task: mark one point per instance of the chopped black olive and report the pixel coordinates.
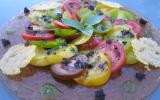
(140, 75)
(73, 50)
(49, 51)
(142, 21)
(90, 54)
(49, 22)
(91, 7)
(30, 28)
(64, 45)
(99, 12)
(125, 32)
(26, 11)
(112, 19)
(45, 19)
(59, 15)
(88, 66)
(100, 95)
(124, 42)
(109, 41)
(101, 66)
(79, 64)
(43, 16)
(6, 43)
(102, 28)
(66, 61)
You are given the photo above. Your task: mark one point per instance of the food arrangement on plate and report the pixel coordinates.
(79, 49)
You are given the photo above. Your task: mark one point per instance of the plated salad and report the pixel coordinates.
(82, 40)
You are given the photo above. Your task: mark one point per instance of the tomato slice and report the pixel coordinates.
(73, 7)
(92, 43)
(99, 72)
(37, 36)
(61, 25)
(135, 27)
(119, 22)
(116, 52)
(106, 19)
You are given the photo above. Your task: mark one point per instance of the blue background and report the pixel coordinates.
(148, 8)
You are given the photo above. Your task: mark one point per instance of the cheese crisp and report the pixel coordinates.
(147, 51)
(17, 57)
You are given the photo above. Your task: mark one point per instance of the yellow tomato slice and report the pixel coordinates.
(81, 40)
(97, 75)
(43, 59)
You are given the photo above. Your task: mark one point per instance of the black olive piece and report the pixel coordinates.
(140, 75)
(142, 21)
(78, 64)
(90, 54)
(100, 95)
(99, 12)
(125, 32)
(49, 51)
(64, 45)
(26, 11)
(102, 28)
(59, 15)
(45, 19)
(30, 28)
(109, 41)
(101, 66)
(91, 7)
(6, 43)
(66, 61)
(43, 16)
(131, 35)
(49, 21)
(124, 42)
(88, 66)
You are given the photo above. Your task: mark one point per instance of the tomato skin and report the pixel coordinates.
(119, 22)
(108, 49)
(61, 25)
(30, 36)
(92, 43)
(73, 7)
(106, 19)
(135, 27)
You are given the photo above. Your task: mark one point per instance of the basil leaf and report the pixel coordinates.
(73, 23)
(93, 19)
(84, 12)
(88, 30)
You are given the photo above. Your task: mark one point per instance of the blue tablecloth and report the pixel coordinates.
(147, 8)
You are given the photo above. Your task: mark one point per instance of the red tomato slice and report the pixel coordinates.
(106, 19)
(73, 7)
(61, 25)
(71, 37)
(119, 22)
(37, 36)
(92, 43)
(116, 52)
(135, 27)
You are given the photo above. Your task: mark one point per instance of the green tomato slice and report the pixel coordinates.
(42, 58)
(65, 32)
(48, 44)
(80, 40)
